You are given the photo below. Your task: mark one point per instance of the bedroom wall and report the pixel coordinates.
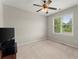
(1, 14)
(29, 26)
(62, 38)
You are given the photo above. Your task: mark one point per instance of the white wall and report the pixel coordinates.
(66, 39)
(1, 14)
(29, 26)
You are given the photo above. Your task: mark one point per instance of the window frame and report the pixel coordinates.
(70, 33)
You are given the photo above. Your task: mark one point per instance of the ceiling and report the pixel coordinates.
(28, 5)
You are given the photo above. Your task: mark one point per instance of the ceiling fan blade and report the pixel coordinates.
(52, 8)
(49, 1)
(37, 5)
(38, 10)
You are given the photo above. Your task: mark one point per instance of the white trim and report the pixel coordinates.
(70, 33)
(61, 25)
(64, 43)
(53, 25)
(24, 43)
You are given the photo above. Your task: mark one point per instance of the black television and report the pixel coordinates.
(6, 34)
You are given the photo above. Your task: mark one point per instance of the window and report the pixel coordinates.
(63, 24)
(57, 24)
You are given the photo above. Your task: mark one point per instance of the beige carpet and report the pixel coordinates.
(46, 49)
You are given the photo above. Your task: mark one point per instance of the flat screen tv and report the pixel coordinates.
(6, 34)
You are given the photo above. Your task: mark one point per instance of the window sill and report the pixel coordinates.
(65, 33)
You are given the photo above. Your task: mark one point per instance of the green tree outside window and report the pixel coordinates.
(63, 24)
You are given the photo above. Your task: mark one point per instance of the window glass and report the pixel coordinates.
(63, 24)
(67, 24)
(57, 24)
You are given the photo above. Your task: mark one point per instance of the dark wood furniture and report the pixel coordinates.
(8, 46)
(12, 56)
(8, 50)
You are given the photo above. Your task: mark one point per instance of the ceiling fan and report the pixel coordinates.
(45, 6)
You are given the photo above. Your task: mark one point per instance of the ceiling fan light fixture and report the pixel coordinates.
(45, 9)
(45, 6)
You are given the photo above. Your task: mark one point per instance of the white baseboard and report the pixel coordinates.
(64, 43)
(28, 42)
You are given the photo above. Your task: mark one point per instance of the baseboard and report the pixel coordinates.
(21, 44)
(67, 44)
